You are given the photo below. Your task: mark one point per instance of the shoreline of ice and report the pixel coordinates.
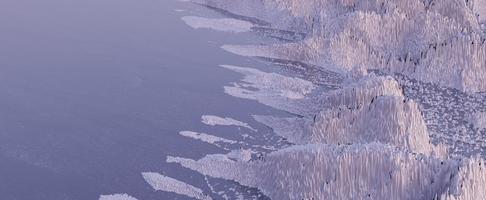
(227, 24)
(168, 184)
(367, 139)
(117, 197)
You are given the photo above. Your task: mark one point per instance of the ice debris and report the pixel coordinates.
(168, 184)
(117, 197)
(213, 120)
(224, 24)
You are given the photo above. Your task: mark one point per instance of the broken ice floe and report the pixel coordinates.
(211, 139)
(224, 24)
(117, 197)
(239, 26)
(286, 51)
(282, 92)
(168, 184)
(248, 142)
(225, 10)
(287, 87)
(291, 129)
(319, 76)
(226, 121)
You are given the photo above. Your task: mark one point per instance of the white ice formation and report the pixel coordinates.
(213, 120)
(117, 197)
(370, 143)
(270, 84)
(292, 129)
(211, 139)
(225, 24)
(272, 89)
(434, 41)
(367, 139)
(373, 110)
(168, 184)
(478, 120)
(370, 171)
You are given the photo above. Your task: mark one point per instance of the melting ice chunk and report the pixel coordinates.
(225, 24)
(272, 89)
(168, 184)
(117, 197)
(211, 139)
(215, 120)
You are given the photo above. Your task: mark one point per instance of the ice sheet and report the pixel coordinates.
(282, 92)
(168, 184)
(117, 197)
(213, 120)
(206, 137)
(224, 24)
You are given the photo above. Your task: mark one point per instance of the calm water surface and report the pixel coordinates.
(94, 92)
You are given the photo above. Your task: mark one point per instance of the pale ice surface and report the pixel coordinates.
(377, 135)
(285, 87)
(401, 124)
(213, 120)
(478, 120)
(205, 137)
(168, 184)
(315, 171)
(437, 42)
(248, 50)
(361, 92)
(225, 24)
(117, 197)
(374, 110)
(480, 10)
(292, 129)
(272, 89)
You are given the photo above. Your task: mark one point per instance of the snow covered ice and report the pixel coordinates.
(405, 121)
(164, 183)
(226, 121)
(229, 25)
(117, 197)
